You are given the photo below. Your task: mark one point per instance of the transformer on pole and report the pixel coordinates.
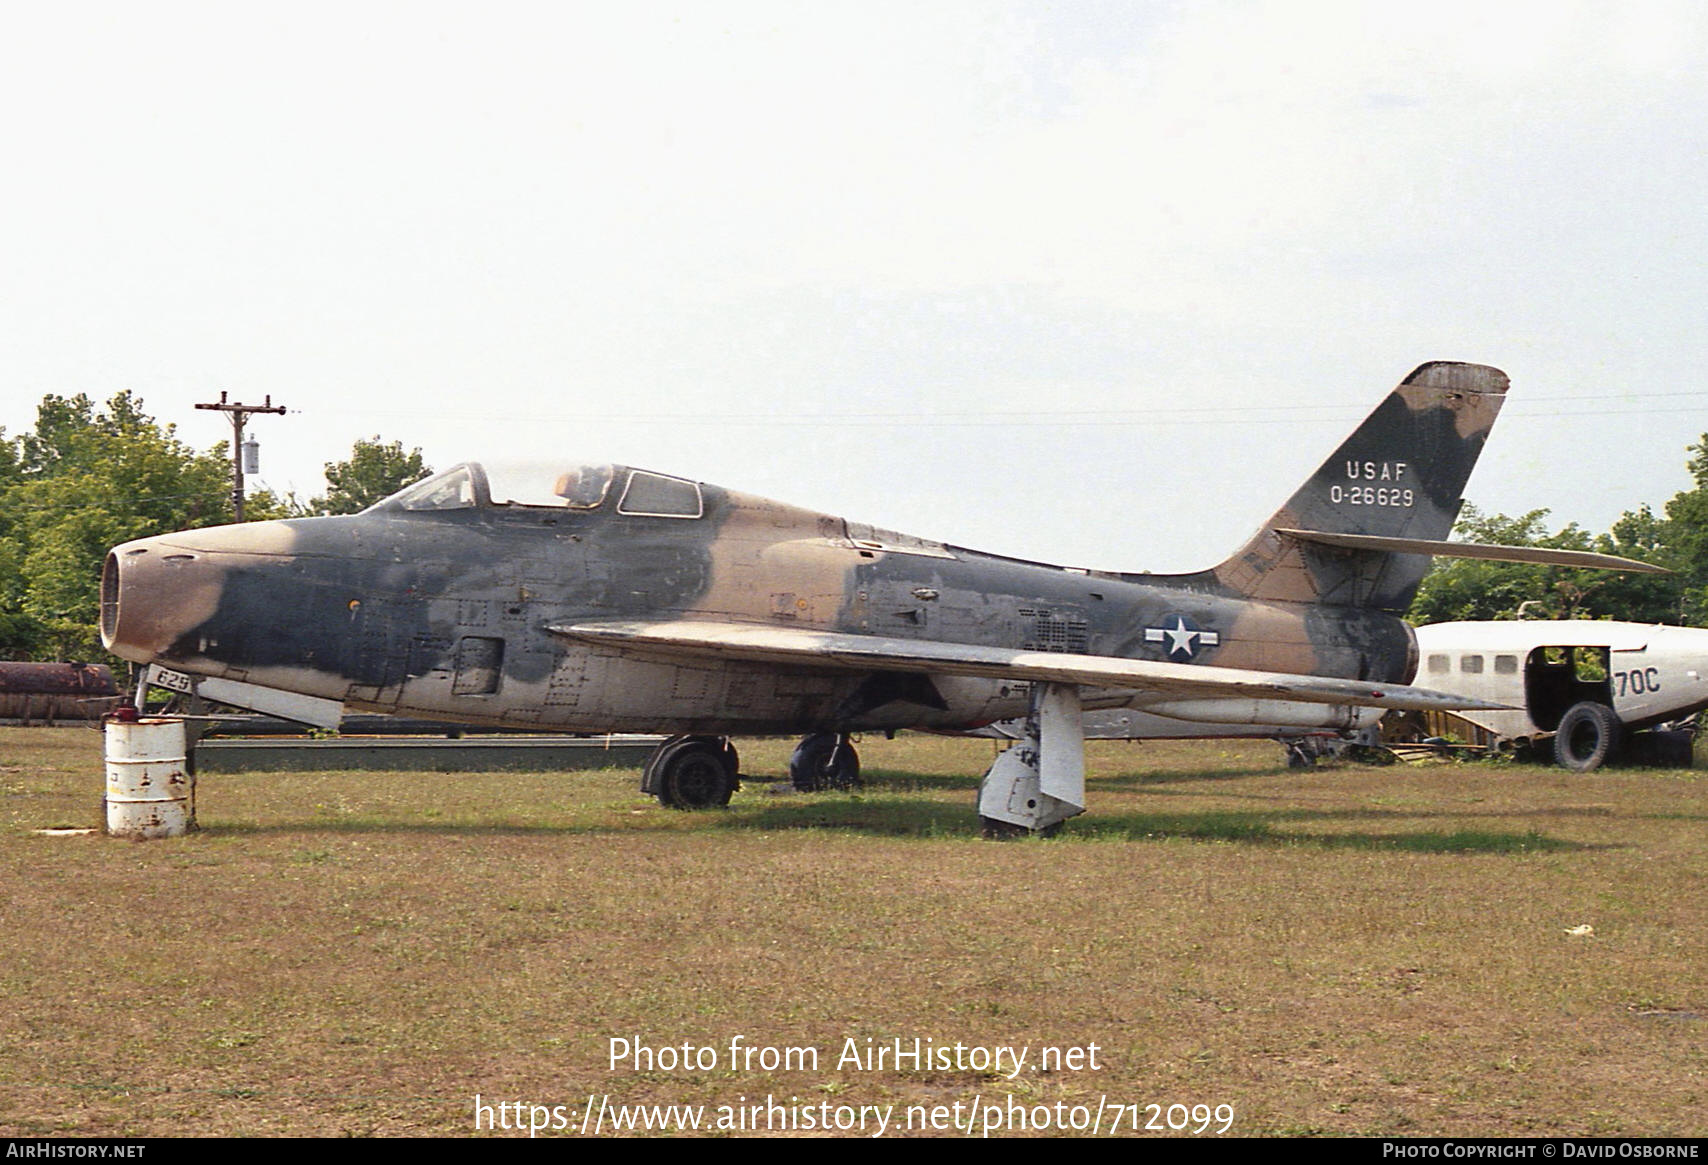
(239, 413)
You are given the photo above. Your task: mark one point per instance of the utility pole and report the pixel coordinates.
(239, 413)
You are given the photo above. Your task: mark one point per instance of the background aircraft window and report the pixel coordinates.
(1471, 664)
(656, 496)
(1506, 665)
(1439, 664)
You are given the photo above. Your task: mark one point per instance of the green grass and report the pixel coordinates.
(1345, 951)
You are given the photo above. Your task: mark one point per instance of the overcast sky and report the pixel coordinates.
(1095, 283)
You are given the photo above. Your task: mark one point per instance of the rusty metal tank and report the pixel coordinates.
(43, 693)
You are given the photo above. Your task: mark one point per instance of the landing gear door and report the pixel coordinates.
(480, 663)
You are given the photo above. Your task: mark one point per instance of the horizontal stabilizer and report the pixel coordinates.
(843, 651)
(1545, 555)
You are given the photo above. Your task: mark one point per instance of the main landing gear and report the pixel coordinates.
(1039, 782)
(824, 760)
(692, 772)
(701, 772)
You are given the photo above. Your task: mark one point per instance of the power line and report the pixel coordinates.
(1050, 417)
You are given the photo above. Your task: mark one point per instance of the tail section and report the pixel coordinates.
(1399, 478)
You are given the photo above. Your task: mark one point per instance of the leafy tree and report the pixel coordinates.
(1476, 589)
(20, 635)
(376, 470)
(1642, 598)
(89, 477)
(84, 480)
(1687, 537)
(1473, 588)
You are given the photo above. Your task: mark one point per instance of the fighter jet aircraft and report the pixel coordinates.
(635, 601)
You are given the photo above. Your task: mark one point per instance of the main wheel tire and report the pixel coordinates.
(1588, 737)
(824, 760)
(693, 772)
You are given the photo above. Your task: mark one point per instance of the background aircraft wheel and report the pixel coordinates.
(1588, 737)
(824, 760)
(1661, 749)
(693, 772)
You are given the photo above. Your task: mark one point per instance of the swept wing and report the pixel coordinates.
(856, 652)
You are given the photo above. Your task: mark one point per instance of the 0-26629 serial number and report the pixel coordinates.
(1370, 495)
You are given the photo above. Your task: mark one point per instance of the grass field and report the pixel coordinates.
(1352, 950)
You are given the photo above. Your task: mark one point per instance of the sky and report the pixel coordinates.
(1089, 283)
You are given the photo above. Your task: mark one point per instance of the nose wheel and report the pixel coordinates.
(824, 760)
(692, 772)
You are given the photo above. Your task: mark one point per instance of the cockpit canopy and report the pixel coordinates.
(637, 492)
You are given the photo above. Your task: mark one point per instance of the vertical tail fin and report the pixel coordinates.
(1402, 474)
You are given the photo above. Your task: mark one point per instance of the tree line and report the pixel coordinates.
(89, 477)
(1676, 538)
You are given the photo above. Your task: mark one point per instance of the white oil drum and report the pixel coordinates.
(150, 792)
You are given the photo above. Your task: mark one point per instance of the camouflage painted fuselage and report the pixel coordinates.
(446, 611)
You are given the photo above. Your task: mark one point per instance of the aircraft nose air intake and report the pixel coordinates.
(150, 594)
(110, 600)
(154, 591)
